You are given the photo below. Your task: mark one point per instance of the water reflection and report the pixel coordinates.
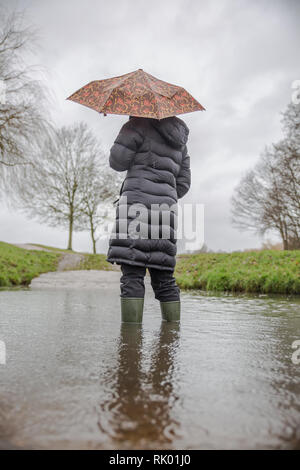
(75, 378)
(141, 395)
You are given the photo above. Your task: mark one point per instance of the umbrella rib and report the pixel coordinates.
(156, 104)
(107, 98)
(122, 81)
(150, 84)
(153, 93)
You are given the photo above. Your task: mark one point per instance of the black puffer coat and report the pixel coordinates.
(154, 153)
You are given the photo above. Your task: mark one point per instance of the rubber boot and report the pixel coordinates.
(170, 311)
(132, 309)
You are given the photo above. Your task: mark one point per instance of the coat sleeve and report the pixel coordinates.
(183, 181)
(125, 147)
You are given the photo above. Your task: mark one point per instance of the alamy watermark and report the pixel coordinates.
(2, 353)
(159, 221)
(2, 92)
(296, 92)
(296, 354)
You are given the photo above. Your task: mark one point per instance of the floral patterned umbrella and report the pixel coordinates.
(136, 94)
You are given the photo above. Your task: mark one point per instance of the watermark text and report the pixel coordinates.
(2, 353)
(296, 354)
(2, 92)
(296, 92)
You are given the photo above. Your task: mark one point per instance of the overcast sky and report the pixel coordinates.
(238, 58)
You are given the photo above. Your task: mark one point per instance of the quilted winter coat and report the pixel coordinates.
(154, 154)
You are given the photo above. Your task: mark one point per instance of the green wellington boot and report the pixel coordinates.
(170, 311)
(132, 309)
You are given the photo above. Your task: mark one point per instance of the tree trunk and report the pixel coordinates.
(285, 244)
(284, 241)
(283, 235)
(93, 237)
(70, 232)
(94, 246)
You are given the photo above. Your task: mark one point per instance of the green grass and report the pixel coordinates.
(96, 262)
(18, 266)
(268, 271)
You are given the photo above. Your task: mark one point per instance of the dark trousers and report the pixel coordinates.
(162, 282)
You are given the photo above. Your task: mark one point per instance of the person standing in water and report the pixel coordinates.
(155, 156)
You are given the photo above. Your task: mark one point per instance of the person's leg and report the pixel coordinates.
(132, 281)
(167, 292)
(132, 293)
(164, 285)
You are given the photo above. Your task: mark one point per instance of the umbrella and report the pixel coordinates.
(136, 94)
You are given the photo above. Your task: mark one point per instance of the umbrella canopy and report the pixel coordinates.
(136, 94)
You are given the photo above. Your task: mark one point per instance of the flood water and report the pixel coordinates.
(76, 378)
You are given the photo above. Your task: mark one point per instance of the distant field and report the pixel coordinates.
(268, 271)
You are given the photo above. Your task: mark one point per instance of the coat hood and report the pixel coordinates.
(173, 129)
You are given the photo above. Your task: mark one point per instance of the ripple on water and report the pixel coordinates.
(76, 378)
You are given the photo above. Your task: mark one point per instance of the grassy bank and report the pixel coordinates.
(268, 271)
(18, 266)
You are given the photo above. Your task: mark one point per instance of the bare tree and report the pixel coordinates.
(268, 197)
(288, 175)
(290, 170)
(52, 187)
(23, 99)
(100, 186)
